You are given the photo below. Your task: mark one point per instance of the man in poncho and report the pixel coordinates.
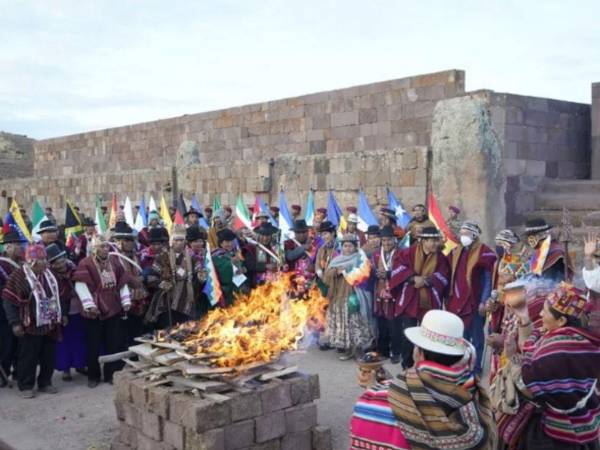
(33, 309)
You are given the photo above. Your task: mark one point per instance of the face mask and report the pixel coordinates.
(466, 240)
(499, 251)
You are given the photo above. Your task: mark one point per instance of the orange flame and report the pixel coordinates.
(258, 327)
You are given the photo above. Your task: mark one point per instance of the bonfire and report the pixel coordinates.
(258, 328)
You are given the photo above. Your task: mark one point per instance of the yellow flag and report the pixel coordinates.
(164, 214)
(16, 213)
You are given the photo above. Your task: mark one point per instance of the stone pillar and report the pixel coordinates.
(595, 131)
(467, 166)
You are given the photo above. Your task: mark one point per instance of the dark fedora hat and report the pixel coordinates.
(195, 233)
(47, 225)
(12, 237)
(54, 252)
(122, 231)
(300, 226)
(266, 229)
(158, 234)
(326, 226)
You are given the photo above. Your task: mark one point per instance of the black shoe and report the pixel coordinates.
(93, 383)
(340, 350)
(324, 347)
(395, 359)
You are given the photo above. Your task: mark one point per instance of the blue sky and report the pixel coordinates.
(73, 66)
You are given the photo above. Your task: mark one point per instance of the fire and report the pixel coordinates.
(258, 327)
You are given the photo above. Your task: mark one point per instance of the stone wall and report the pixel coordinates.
(16, 156)
(338, 140)
(596, 131)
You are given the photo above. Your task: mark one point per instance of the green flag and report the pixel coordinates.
(216, 203)
(37, 216)
(100, 222)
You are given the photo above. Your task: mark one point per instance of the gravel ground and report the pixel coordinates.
(81, 418)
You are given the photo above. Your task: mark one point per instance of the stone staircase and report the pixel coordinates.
(580, 197)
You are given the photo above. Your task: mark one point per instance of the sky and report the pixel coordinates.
(73, 66)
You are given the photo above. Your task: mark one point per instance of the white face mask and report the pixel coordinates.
(466, 240)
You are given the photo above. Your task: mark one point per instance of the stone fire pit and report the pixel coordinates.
(278, 415)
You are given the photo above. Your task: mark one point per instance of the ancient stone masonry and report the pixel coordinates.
(491, 152)
(280, 415)
(320, 141)
(16, 156)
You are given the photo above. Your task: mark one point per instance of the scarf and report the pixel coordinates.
(357, 270)
(472, 258)
(47, 309)
(443, 407)
(425, 265)
(108, 279)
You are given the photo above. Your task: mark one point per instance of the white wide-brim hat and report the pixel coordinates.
(440, 332)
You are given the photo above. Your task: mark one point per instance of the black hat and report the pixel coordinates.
(195, 233)
(266, 229)
(535, 226)
(12, 237)
(387, 231)
(158, 234)
(387, 212)
(300, 226)
(226, 235)
(88, 222)
(47, 225)
(326, 226)
(374, 230)
(430, 233)
(122, 231)
(193, 210)
(54, 252)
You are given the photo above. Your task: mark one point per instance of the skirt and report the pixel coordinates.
(70, 352)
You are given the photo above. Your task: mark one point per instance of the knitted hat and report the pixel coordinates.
(35, 252)
(507, 236)
(352, 218)
(472, 226)
(568, 300)
(349, 237)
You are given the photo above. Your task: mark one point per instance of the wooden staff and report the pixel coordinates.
(566, 236)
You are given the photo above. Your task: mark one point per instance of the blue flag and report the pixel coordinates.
(365, 213)
(285, 220)
(198, 207)
(402, 217)
(265, 208)
(10, 224)
(334, 212)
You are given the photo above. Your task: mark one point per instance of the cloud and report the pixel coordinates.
(72, 66)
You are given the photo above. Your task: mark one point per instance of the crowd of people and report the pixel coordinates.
(441, 314)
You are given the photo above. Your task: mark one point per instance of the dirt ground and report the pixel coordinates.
(79, 418)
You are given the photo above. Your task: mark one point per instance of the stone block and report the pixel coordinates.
(315, 388)
(270, 426)
(514, 167)
(275, 396)
(300, 389)
(133, 416)
(120, 409)
(535, 168)
(297, 441)
(566, 169)
(322, 121)
(205, 415)
(127, 435)
(139, 392)
(317, 147)
(341, 119)
(301, 418)
(152, 425)
(211, 440)
(116, 444)
(121, 381)
(239, 435)
(174, 435)
(409, 159)
(158, 401)
(345, 132)
(179, 406)
(321, 438)
(367, 115)
(245, 406)
(274, 444)
(321, 166)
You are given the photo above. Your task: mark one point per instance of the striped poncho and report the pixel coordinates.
(428, 407)
(560, 369)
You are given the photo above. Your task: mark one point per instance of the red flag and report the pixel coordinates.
(178, 218)
(256, 211)
(113, 212)
(436, 216)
